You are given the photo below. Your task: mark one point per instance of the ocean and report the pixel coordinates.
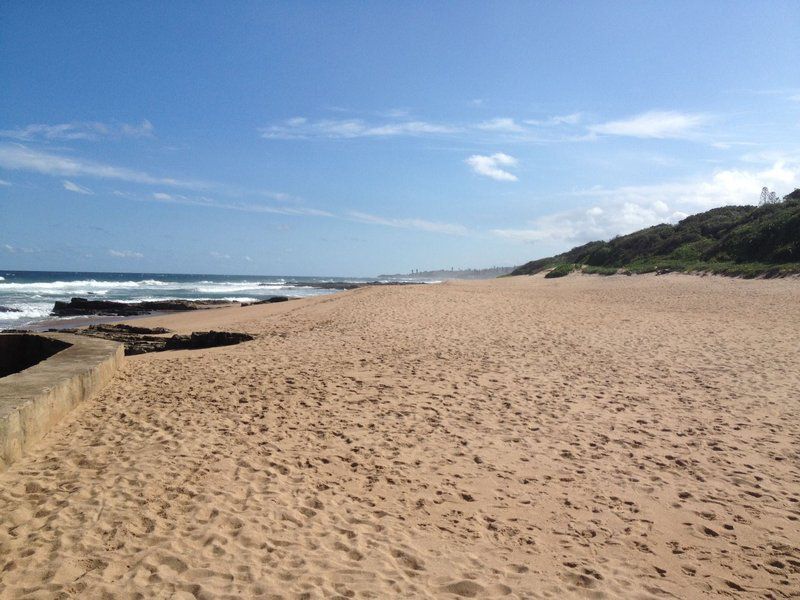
(32, 293)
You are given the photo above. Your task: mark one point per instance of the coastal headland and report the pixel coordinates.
(521, 438)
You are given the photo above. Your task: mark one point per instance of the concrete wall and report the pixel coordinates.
(34, 400)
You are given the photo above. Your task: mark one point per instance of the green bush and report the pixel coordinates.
(590, 270)
(561, 270)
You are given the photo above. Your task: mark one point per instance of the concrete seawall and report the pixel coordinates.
(35, 399)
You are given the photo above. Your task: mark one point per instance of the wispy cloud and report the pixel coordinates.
(17, 157)
(91, 130)
(625, 209)
(125, 254)
(570, 119)
(19, 249)
(396, 124)
(654, 124)
(74, 187)
(219, 255)
(419, 224)
(5, 183)
(490, 166)
(567, 127)
(302, 128)
(255, 206)
(500, 124)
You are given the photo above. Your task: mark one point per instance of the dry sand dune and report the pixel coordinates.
(520, 438)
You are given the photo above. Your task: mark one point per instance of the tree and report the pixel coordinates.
(767, 197)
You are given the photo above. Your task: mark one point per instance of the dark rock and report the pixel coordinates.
(270, 300)
(328, 285)
(137, 340)
(81, 306)
(9, 309)
(123, 328)
(140, 340)
(206, 339)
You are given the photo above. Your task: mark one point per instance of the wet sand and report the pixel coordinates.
(520, 438)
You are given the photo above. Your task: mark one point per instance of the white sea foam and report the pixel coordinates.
(56, 288)
(27, 311)
(191, 299)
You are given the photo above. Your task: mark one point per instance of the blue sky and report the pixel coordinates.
(346, 138)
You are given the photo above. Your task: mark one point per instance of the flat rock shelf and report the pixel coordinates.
(33, 400)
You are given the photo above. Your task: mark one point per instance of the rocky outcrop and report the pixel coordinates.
(270, 300)
(122, 328)
(141, 340)
(137, 340)
(206, 339)
(9, 309)
(81, 307)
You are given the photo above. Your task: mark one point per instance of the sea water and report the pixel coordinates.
(33, 293)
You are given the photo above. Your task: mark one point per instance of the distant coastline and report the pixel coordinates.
(489, 273)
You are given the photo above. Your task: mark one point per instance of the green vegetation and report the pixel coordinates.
(590, 270)
(740, 241)
(562, 269)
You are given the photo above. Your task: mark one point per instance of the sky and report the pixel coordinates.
(351, 138)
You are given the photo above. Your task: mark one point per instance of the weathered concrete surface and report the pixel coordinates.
(34, 400)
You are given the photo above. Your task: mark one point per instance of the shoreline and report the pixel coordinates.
(514, 438)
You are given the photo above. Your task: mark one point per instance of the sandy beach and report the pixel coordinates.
(523, 438)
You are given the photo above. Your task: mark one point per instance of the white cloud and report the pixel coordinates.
(302, 128)
(143, 129)
(562, 127)
(125, 254)
(398, 125)
(205, 201)
(91, 130)
(629, 208)
(3, 182)
(720, 188)
(74, 187)
(500, 124)
(419, 224)
(21, 158)
(489, 166)
(654, 124)
(570, 119)
(219, 255)
(583, 225)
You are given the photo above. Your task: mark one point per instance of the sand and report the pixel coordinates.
(520, 438)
